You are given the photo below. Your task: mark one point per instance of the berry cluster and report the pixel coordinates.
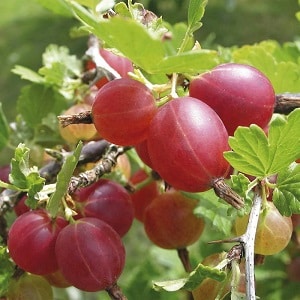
(184, 139)
(88, 252)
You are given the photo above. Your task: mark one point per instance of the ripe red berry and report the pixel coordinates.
(170, 223)
(240, 94)
(109, 202)
(31, 241)
(90, 254)
(122, 111)
(186, 141)
(120, 63)
(144, 196)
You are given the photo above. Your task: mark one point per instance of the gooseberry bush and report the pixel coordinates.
(150, 167)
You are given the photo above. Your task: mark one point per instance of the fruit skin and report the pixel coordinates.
(20, 208)
(240, 94)
(169, 221)
(120, 63)
(186, 141)
(273, 230)
(30, 287)
(90, 254)
(122, 111)
(75, 132)
(31, 241)
(4, 172)
(210, 288)
(144, 196)
(143, 153)
(56, 279)
(109, 202)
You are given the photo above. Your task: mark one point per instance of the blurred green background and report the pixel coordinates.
(26, 29)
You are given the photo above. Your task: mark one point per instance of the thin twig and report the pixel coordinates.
(108, 161)
(286, 102)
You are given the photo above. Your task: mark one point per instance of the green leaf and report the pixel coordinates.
(275, 61)
(284, 141)
(213, 211)
(192, 281)
(61, 70)
(28, 74)
(132, 44)
(23, 176)
(250, 152)
(255, 154)
(6, 270)
(286, 195)
(63, 179)
(196, 61)
(4, 129)
(36, 102)
(195, 14)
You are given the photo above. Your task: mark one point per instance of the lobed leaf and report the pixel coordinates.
(286, 195)
(277, 62)
(284, 141)
(255, 154)
(250, 151)
(24, 177)
(213, 211)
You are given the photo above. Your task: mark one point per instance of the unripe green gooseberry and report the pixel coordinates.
(29, 287)
(273, 230)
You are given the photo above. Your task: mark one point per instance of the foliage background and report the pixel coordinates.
(26, 29)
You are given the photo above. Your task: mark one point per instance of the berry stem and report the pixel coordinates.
(116, 293)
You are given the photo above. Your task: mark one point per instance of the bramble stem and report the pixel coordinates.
(105, 166)
(248, 239)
